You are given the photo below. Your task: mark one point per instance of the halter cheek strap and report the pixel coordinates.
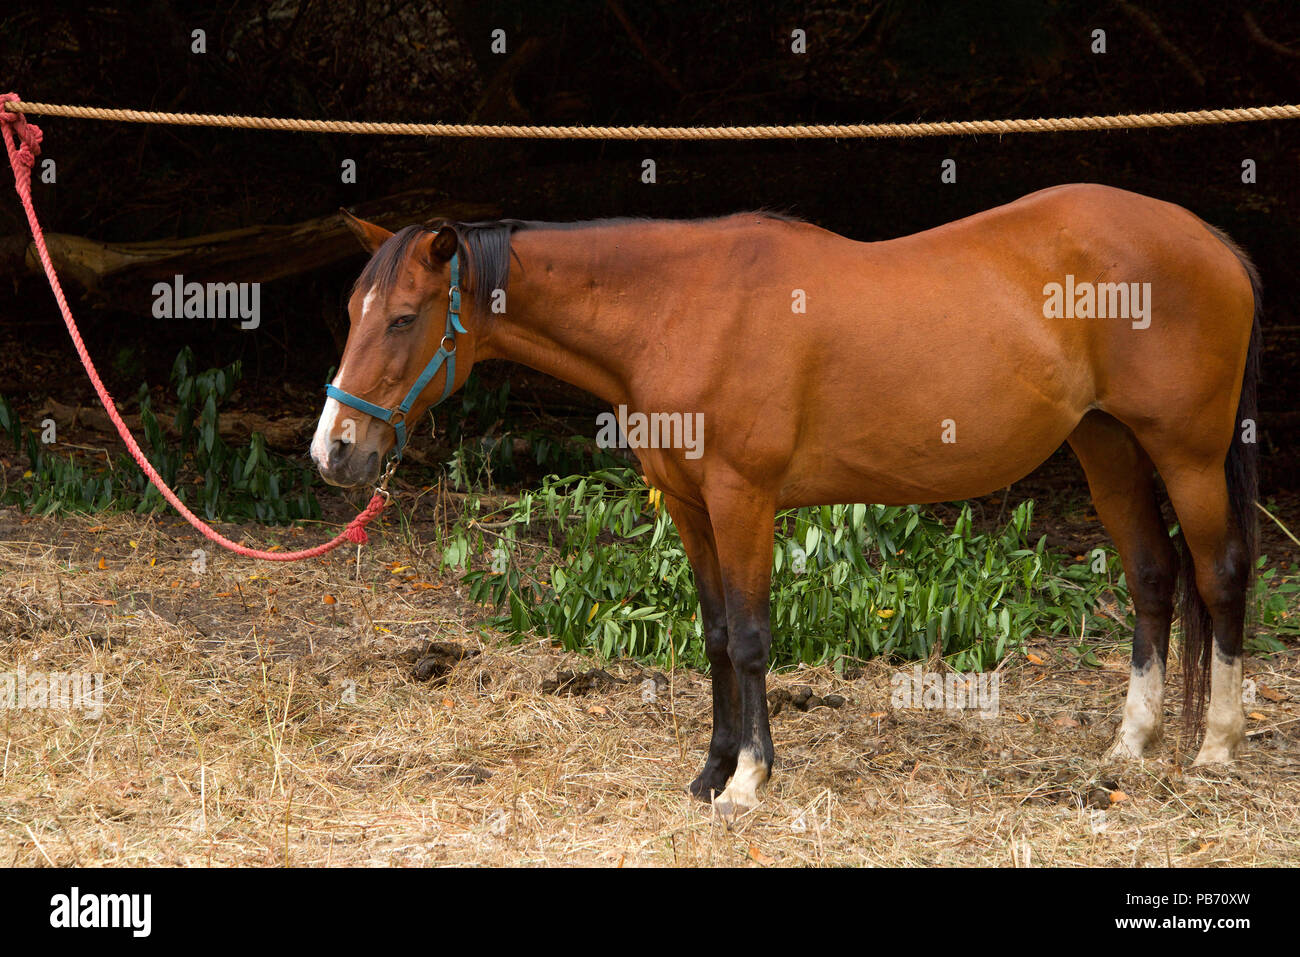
(397, 416)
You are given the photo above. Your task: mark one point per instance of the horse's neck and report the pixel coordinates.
(570, 310)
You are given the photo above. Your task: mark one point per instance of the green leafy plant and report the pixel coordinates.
(593, 563)
(1276, 608)
(207, 474)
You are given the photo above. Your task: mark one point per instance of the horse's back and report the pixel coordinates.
(1009, 327)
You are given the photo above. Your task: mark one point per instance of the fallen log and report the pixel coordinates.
(251, 254)
(289, 433)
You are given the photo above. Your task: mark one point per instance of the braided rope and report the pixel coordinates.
(23, 144)
(1121, 121)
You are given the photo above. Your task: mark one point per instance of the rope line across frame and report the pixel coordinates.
(1119, 121)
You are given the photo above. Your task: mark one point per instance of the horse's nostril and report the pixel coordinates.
(338, 451)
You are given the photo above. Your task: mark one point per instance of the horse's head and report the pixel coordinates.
(402, 348)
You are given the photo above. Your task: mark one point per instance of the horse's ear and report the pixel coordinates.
(370, 235)
(443, 245)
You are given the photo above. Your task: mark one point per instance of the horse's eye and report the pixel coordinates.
(401, 322)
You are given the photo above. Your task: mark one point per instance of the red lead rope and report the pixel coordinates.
(22, 159)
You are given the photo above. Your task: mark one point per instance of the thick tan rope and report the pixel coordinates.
(1124, 121)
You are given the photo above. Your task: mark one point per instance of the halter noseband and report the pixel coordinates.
(442, 355)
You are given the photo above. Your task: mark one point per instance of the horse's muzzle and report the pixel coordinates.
(346, 466)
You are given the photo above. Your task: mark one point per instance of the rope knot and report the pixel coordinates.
(356, 530)
(29, 134)
(5, 115)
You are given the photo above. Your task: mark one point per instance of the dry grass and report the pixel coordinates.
(226, 738)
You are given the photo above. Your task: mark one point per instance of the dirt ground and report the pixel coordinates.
(352, 711)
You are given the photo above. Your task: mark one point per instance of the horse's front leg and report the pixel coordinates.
(743, 524)
(697, 538)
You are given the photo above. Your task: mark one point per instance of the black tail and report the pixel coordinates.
(1242, 471)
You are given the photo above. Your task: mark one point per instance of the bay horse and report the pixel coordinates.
(939, 366)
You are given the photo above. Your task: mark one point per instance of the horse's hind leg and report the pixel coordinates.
(1221, 558)
(697, 538)
(1122, 481)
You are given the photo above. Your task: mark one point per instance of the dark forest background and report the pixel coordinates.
(616, 62)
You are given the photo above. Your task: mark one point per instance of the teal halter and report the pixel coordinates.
(443, 355)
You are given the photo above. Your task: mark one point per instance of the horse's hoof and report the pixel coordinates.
(1217, 752)
(730, 805)
(1122, 750)
(728, 811)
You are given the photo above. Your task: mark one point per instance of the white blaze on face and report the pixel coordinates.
(330, 415)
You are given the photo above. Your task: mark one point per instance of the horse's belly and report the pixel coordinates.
(938, 457)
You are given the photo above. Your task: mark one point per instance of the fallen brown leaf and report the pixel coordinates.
(758, 856)
(1271, 693)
